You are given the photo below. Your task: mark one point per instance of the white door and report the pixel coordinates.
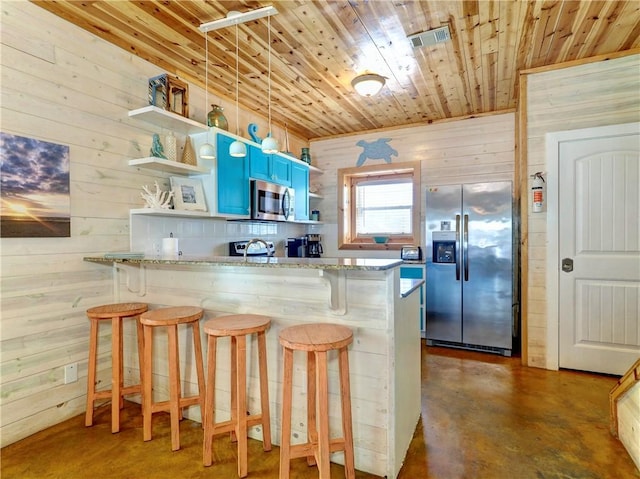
(599, 250)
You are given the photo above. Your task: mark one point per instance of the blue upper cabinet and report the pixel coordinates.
(234, 195)
(273, 168)
(300, 184)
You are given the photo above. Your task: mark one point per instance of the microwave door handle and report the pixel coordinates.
(465, 247)
(457, 255)
(284, 206)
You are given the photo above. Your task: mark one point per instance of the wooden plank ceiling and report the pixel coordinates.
(319, 46)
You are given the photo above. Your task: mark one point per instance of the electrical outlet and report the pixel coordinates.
(71, 373)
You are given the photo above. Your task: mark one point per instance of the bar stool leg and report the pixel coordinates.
(197, 351)
(323, 415)
(91, 373)
(264, 387)
(287, 392)
(116, 377)
(140, 338)
(147, 390)
(312, 425)
(174, 387)
(234, 391)
(121, 362)
(347, 428)
(241, 414)
(209, 414)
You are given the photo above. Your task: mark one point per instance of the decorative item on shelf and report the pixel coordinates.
(188, 194)
(269, 144)
(381, 239)
(305, 156)
(237, 149)
(315, 215)
(158, 199)
(169, 93)
(188, 154)
(206, 150)
(253, 132)
(157, 150)
(171, 147)
(216, 118)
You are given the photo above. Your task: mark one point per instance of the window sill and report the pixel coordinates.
(371, 246)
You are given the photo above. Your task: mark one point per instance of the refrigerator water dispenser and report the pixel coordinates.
(444, 246)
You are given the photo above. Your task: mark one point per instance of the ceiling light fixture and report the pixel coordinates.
(269, 144)
(237, 148)
(368, 84)
(236, 18)
(207, 151)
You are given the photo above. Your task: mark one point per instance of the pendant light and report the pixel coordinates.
(237, 149)
(269, 144)
(207, 151)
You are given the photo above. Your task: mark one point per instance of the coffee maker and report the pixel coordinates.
(314, 247)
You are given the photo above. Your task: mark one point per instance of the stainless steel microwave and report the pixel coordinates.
(270, 201)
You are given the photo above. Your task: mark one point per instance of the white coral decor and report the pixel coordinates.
(158, 199)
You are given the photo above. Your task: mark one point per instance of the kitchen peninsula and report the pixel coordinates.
(367, 295)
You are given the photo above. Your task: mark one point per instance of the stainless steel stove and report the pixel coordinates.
(237, 248)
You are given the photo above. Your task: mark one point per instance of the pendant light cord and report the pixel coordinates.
(237, 83)
(206, 78)
(269, 54)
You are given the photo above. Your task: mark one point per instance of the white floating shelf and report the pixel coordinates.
(168, 166)
(315, 169)
(315, 195)
(169, 120)
(165, 212)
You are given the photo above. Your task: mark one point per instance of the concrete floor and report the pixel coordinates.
(483, 416)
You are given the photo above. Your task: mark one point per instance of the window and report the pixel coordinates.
(380, 200)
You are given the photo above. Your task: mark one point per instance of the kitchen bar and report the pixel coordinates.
(365, 295)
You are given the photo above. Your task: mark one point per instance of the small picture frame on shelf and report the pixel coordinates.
(188, 194)
(169, 93)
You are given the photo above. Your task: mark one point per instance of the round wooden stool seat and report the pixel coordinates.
(237, 327)
(316, 337)
(317, 340)
(116, 313)
(170, 318)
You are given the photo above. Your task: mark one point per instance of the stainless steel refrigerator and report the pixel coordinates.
(469, 266)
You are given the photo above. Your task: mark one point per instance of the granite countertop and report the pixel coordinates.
(363, 264)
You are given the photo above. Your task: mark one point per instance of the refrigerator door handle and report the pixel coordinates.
(457, 248)
(465, 247)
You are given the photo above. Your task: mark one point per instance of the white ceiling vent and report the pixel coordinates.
(431, 37)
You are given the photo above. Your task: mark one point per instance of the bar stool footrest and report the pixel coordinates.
(184, 402)
(309, 448)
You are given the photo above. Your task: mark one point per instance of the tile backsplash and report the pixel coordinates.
(206, 236)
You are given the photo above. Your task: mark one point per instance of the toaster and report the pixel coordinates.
(411, 252)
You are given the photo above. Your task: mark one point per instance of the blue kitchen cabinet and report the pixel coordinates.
(234, 195)
(416, 272)
(300, 184)
(273, 168)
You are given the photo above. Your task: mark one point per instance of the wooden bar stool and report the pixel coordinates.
(170, 318)
(237, 327)
(116, 313)
(317, 339)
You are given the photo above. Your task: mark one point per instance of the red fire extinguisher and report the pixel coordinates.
(537, 188)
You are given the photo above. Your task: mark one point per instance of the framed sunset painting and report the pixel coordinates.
(34, 188)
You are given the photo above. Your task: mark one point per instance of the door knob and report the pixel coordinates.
(567, 265)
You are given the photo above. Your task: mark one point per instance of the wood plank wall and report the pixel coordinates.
(63, 85)
(468, 150)
(579, 95)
